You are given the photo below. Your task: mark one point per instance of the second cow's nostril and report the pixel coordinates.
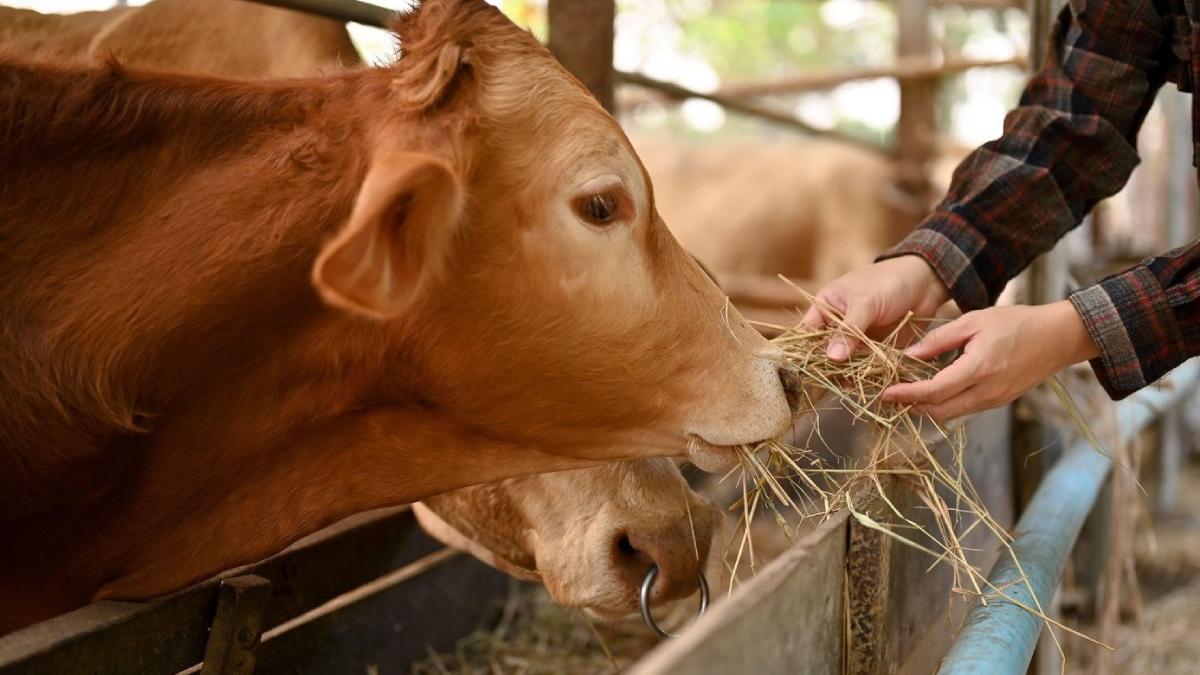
(675, 556)
(625, 547)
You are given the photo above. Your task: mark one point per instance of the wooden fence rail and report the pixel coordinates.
(327, 607)
(904, 68)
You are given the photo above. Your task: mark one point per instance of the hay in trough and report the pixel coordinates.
(534, 636)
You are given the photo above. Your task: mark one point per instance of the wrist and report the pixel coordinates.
(1068, 326)
(933, 290)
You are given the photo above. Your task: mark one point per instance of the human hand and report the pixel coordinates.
(873, 299)
(1006, 352)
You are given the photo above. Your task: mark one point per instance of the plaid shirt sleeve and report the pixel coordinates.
(1070, 143)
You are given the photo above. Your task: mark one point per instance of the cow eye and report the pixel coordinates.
(600, 208)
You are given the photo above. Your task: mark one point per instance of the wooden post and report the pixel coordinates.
(916, 132)
(581, 38)
(237, 626)
(1045, 281)
(901, 612)
(1180, 229)
(868, 570)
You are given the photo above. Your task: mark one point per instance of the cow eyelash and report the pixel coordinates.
(601, 208)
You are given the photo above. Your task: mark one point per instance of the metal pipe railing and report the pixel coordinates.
(999, 638)
(365, 13)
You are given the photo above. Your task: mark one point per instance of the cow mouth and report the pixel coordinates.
(711, 457)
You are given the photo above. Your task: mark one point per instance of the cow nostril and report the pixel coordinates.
(672, 553)
(625, 547)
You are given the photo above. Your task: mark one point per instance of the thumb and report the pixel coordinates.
(941, 340)
(858, 318)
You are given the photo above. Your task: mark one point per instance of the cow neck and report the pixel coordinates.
(260, 507)
(101, 362)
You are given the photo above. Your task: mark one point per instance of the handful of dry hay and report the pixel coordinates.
(906, 448)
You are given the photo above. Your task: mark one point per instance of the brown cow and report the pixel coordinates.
(24, 31)
(235, 312)
(810, 209)
(234, 38)
(590, 533)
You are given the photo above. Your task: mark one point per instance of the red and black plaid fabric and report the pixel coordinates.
(1070, 143)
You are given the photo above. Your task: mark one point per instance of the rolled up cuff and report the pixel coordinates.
(1134, 327)
(951, 264)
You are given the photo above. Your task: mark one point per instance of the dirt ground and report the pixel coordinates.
(1164, 641)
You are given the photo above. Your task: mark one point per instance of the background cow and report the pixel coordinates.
(498, 299)
(809, 210)
(589, 535)
(231, 38)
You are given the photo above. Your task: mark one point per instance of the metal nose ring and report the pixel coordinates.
(644, 600)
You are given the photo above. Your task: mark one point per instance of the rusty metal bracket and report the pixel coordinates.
(237, 626)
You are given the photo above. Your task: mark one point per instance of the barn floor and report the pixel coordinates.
(1168, 564)
(533, 636)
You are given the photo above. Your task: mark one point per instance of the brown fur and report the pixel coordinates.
(180, 35)
(807, 210)
(589, 534)
(177, 399)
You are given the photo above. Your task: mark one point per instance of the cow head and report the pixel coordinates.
(588, 534)
(506, 231)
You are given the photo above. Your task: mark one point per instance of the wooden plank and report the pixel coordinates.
(916, 130)
(894, 601)
(924, 614)
(581, 38)
(237, 626)
(868, 568)
(915, 67)
(115, 637)
(170, 634)
(788, 619)
(1045, 280)
(737, 105)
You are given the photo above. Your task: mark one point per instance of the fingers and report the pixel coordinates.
(950, 381)
(814, 318)
(860, 317)
(942, 339)
(971, 400)
(828, 300)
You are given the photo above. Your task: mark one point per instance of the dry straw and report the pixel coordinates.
(907, 448)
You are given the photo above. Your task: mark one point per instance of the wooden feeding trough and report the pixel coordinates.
(373, 593)
(370, 592)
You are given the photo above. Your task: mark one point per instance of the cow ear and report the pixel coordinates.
(439, 528)
(396, 238)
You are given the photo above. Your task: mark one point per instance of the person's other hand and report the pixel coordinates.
(1006, 352)
(875, 298)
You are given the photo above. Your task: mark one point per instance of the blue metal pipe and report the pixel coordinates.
(999, 638)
